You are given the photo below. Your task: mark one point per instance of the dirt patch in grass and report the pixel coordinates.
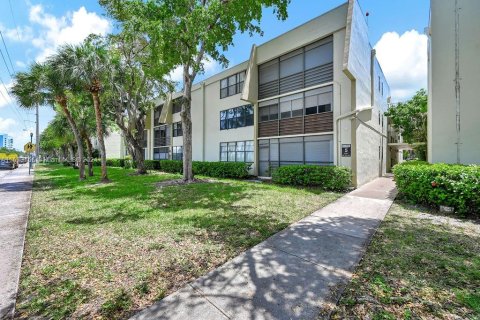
(107, 251)
(181, 182)
(420, 265)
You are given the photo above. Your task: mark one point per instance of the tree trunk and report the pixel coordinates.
(71, 154)
(134, 141)
(81, 163)
(89, 156)
(101, 142)
(186, 116)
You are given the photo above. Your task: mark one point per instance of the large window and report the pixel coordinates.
(162, 153)
(232, 85)
(296, 105)
(238, 151)
(302, 68)
(161, 136)
(236, 117)
(177, 153)
(177, 105)
(177, 129)
(316, 150)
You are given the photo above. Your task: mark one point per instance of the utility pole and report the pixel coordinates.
(37, 137)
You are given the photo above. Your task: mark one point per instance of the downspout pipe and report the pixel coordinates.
(457, 78)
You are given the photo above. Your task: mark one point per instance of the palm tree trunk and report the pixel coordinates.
(101, 142)
(187, 130)
(78, 138)
(90, 156)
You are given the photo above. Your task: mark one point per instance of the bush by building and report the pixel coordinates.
(440, 184)
(326, 177)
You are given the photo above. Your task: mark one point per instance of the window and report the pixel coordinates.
(177, 105)
(232, 85)
(177, 129)
(236, 117)
(313, 101)
(238, 151)
(161, 153)
(268, 110)
(302, 68)
(161, 136)
(156, 115)
(315, 150)
(319, 100)
(177, 153)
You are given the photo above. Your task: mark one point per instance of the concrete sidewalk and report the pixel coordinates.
(15, 194)
(295, 274)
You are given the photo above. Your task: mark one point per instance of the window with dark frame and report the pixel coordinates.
(237, 151)
(232, 85)
(237, 117)
(306, 103)
(177, 105)
(177, 153)
(156, 115)
(302, 68)
(162, 153)
(177, 129)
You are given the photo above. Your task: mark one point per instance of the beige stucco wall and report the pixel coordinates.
(114, 145)
(442, 131)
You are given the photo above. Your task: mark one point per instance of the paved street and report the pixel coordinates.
(295, 274)
(15, 193)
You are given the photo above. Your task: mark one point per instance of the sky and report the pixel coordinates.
(33, 29)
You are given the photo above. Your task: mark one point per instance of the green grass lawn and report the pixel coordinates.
(418, 266)
(107, 250)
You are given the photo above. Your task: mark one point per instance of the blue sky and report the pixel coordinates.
(37, 27)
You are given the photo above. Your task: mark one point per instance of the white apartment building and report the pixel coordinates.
(314, 95)
(453, 82)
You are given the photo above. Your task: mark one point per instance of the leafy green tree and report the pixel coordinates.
(88, 64)
(187, 32)
(43, 84)
(410, 119)
(131, 89)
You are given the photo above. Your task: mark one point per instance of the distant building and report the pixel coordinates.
(453, 82)
(6, 141)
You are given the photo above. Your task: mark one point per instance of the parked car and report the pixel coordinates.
(7, 164)
(22, 160)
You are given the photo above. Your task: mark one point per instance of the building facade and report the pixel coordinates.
(314, 95)
(453, 82)
(6, 141)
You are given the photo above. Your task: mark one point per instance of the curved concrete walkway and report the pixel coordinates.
(15, 194)
(295, 274)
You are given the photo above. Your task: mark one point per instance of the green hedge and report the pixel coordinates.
(326, 177)
(236, 170)
(439, 184)
(152, 164)
(110, 162)
(171, 166)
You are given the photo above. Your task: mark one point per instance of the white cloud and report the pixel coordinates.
(7, 125)
(71, 28)
(404, 61)
(18, 34)
(20, 64)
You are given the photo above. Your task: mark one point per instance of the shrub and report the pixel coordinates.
(110, 162)
(326, 177)
(439, 184)
(152, 164)
(235, 170)
(171, 166)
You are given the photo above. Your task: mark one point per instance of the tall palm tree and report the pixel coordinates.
(42, 84)
(87, 63)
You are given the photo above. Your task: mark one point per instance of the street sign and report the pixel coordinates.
(29, 147)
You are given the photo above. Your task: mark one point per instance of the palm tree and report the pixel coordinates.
(42, 84)
(87, 63)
